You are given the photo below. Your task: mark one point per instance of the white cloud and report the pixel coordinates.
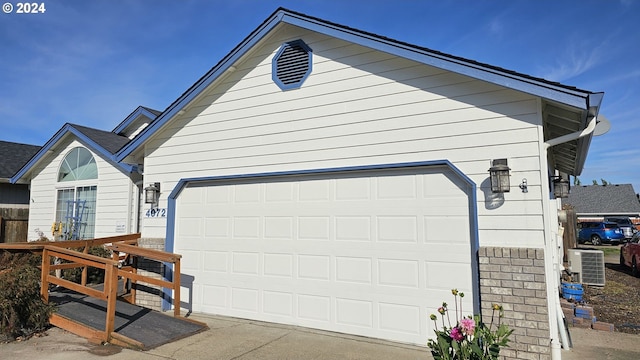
(575, 60)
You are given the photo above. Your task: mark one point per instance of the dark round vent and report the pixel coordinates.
(291, 65)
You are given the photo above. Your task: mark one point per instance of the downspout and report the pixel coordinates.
(573, 136)
(551, 278)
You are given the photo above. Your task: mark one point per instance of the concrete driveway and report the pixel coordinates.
(229, 338)
(602, 345)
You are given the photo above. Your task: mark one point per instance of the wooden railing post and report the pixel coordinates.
(111, 291)
(83, 280)
(44, 282)
(176, 288)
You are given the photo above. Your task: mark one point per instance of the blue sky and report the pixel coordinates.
(93, 62)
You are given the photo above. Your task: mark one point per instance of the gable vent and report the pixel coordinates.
(291, 65)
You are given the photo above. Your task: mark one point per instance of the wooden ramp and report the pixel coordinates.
(134, 326)
(100, 313)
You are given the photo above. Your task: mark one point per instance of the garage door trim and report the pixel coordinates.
(473, 216)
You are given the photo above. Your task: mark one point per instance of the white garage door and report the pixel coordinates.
(370, 253)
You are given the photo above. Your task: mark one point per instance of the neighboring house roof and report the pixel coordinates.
(569, 157)
(602, 200)
(14, 156)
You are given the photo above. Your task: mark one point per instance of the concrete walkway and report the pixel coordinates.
(602, 345)
(227, 338)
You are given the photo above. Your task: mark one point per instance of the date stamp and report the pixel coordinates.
(24, 8)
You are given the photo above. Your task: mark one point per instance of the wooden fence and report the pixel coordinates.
(570, 224)
(14, 225)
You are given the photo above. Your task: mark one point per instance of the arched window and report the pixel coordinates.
(79, 164)
(76, 198)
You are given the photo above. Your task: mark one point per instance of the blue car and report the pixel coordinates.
(600, 232)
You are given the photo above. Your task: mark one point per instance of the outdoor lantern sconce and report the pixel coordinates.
(151, 193)
(560, 187)
(499, 175)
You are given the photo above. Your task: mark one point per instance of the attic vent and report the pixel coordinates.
(291, 65)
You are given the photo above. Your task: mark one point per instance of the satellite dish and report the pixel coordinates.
(602, 126)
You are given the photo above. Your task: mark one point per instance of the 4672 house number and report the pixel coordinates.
(156, 213)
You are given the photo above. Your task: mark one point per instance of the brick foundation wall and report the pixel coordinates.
(147, 295)
(515, 278)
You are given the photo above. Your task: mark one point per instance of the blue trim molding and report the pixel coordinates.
(140, 111)
(287, 68)
(509, 79)
(84, 140)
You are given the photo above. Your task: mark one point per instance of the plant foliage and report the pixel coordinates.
(470, 338)
(94, 275)
(22, 311)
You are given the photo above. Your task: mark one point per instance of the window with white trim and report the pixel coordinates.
(75, 216)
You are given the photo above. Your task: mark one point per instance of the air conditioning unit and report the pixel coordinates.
(588, 265)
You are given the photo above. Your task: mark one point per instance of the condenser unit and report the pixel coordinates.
(588, 265)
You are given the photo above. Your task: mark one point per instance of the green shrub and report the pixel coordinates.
(22, 311)
(94, 275)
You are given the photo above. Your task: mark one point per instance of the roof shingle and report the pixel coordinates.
(604, 200)
(14, 156)
(108, 140)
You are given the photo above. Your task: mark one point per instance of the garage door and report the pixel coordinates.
(369, 253)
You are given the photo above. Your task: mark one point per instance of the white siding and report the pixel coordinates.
(113, 200)
(359, 107)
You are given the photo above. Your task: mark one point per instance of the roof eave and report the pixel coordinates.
(569, 96)
(85, 140)
(594, 101)
(225, 64)
(577, 98)
(141, 110)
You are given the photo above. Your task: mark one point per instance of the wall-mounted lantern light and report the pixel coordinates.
(499, 175)
(151, 193)
(560, 187)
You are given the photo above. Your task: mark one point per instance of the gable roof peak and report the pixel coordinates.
(584, 101)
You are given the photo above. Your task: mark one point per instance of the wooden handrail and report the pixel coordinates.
(82, 258)
(148, 253)
(155, 255)
(112, 270)
(39, 245)
(93, 242)
(108, 293)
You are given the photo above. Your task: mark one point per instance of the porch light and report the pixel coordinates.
(499, 174)
(560, 187)
(151, 193)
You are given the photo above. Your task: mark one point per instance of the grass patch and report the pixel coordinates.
(616, 288)
(610, 251)
(606, 249)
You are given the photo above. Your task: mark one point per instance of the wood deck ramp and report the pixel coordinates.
(134, 326)
(103, 313)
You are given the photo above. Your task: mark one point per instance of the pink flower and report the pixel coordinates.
(456, 334)
(467, 325)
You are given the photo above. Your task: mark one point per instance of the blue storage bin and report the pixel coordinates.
(572, 291)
